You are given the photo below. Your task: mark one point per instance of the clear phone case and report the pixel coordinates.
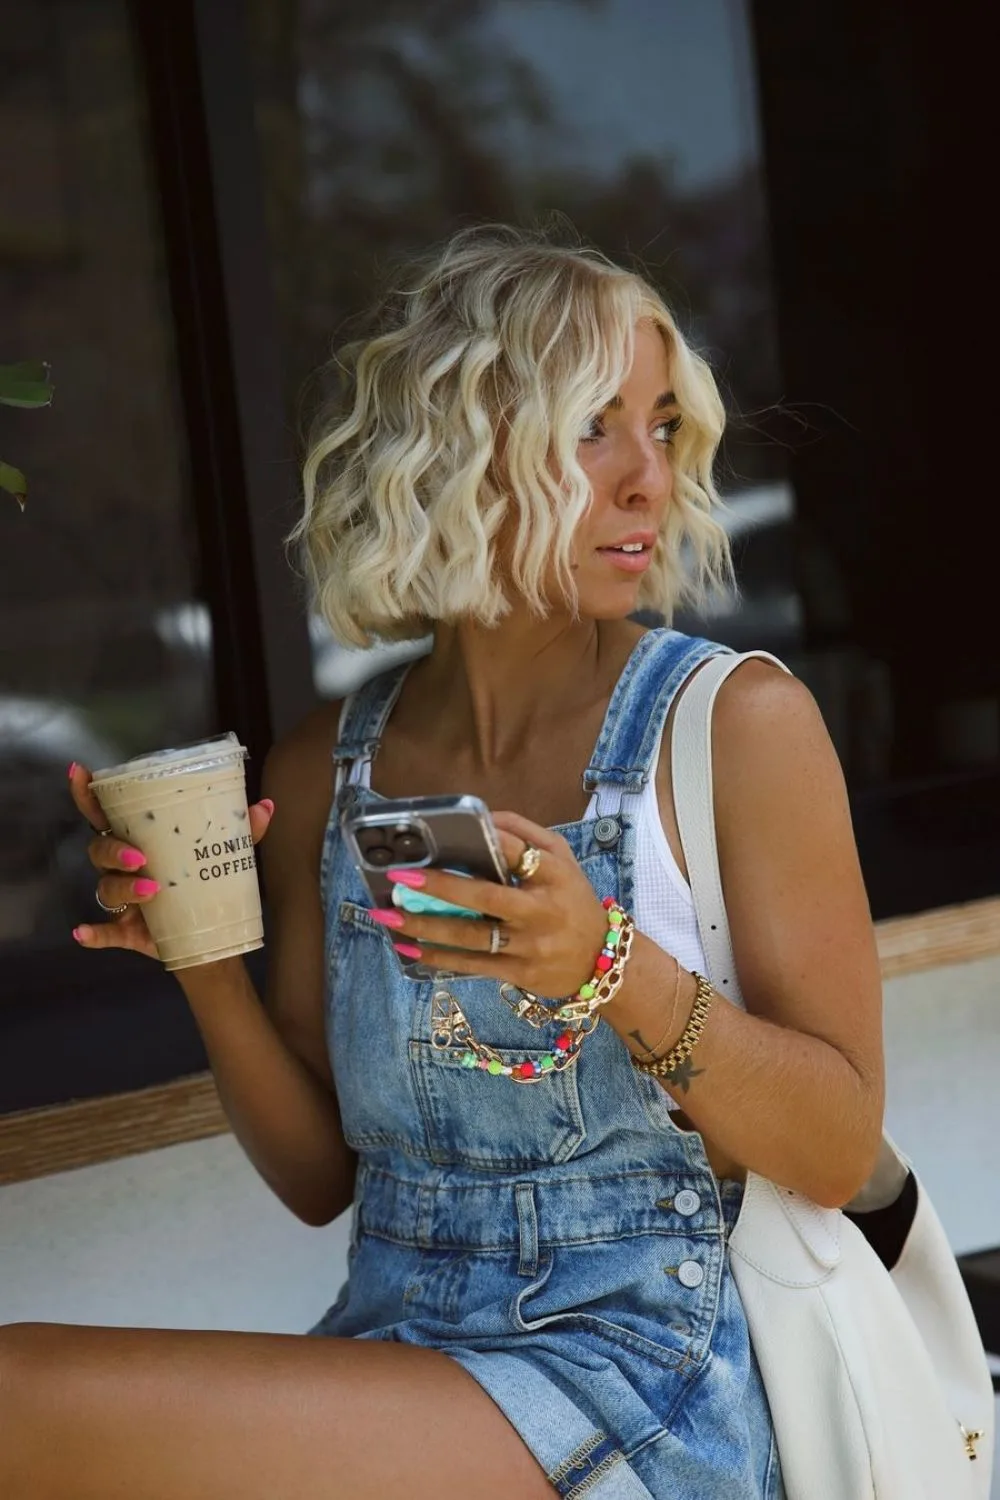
(445, 833)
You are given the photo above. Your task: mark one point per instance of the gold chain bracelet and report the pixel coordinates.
(577, 1014)
(662, 1067)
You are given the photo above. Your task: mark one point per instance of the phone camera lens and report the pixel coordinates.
(408, 845)
(379, 854)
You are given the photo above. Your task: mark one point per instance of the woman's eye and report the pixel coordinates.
(665, 430)
(670, 428)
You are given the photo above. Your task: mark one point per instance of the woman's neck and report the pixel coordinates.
(493, 691)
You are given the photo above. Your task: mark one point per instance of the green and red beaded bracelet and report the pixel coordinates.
(579, 1011)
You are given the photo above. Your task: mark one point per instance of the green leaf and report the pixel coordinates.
(14, 482)
(25, 384)
(28, 393)
(26, 369)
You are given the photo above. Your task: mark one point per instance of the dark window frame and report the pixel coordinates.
(82, 1025)
(861, 115)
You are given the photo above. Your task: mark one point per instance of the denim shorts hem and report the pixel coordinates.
(580, 1461)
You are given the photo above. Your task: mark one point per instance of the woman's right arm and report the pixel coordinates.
(270, 1058)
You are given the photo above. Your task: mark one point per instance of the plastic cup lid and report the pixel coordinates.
(202, 755)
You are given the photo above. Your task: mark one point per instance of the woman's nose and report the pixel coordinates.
(644, 475)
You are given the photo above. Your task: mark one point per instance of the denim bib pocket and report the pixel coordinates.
(464, 1125)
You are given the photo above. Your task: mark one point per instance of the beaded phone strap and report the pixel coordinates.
(450, 1027)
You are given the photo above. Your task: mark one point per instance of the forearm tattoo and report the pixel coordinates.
(680, 1076)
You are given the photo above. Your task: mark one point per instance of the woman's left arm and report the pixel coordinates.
(793, 1088)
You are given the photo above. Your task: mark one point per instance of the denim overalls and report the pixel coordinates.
(563, 1240)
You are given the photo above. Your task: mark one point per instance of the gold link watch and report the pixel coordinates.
(662, 1067)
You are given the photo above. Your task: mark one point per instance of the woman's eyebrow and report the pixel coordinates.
(665, 399)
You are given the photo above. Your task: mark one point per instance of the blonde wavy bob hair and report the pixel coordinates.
(463, 418)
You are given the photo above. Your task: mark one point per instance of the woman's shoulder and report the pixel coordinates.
(765, 720)
(768, 737)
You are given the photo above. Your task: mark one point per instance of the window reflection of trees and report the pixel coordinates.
(386, 125)
(97, 577)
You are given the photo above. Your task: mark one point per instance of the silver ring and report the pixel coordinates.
(498, 938)
(112, 911)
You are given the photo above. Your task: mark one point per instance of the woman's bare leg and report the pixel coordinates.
(142, 1414)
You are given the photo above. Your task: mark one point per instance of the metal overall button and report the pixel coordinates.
(690, 1273)
(607, 832)
(687, 1202)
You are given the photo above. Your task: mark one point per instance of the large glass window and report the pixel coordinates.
(104, 642)
(384, 129)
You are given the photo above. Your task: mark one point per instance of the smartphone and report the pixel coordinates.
(441, 833)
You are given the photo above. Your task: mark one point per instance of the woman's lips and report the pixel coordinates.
(628, 562)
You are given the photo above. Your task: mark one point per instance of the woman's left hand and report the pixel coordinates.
(551, 927)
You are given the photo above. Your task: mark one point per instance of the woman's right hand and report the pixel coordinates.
(121, 880)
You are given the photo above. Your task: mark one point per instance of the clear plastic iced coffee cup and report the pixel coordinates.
(186, 809)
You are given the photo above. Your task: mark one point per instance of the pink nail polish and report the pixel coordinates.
(132, 859)
(72, 768)
(413, 878)
(145, 887)
(266, 802)
(387, 918)
(407, 950)
(80, 933)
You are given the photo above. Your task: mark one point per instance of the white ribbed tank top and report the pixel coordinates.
(663, 904)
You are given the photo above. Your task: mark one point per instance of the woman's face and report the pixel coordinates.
(625, 453)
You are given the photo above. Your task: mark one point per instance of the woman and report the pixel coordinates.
(539, 1297)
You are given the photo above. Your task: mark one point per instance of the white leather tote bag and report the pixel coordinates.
(875, 1373)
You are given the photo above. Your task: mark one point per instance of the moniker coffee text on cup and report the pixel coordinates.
(227, 866)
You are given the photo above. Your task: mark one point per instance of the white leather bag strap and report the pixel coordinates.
(694, 804)
(815, 1228)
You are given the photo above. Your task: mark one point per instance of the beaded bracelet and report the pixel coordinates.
(689, 1038)
(609, 970)
(602, 986)
(450, 1027)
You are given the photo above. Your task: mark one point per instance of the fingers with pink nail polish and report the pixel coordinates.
(132, 859)
(408, 950)
(387, 918)
(145, 887)
(415, 879)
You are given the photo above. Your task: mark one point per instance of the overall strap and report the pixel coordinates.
(659, 665)
(363, 718)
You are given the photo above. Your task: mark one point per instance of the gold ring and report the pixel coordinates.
(527, 865)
